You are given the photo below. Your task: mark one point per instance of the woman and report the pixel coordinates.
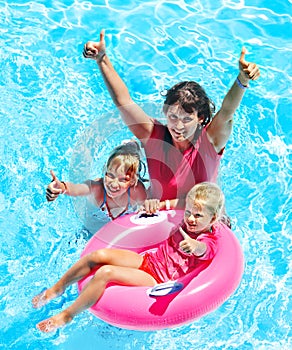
(189, 148)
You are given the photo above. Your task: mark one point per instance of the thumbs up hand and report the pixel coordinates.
(190, 245)
(95, 50)
(54, 188)
(248, 70)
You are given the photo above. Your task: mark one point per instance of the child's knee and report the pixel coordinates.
(105, 273)
(98, 256)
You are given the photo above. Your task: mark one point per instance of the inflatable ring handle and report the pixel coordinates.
(166, 288)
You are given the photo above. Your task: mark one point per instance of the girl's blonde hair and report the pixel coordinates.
(127, 155)
(208, 195)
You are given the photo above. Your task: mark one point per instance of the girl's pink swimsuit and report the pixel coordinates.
(169, 262)
(173, 173)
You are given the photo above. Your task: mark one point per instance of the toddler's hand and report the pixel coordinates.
(188, 244)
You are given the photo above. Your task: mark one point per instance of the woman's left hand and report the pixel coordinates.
(248, 70)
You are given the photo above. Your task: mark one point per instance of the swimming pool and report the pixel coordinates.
(50, 99)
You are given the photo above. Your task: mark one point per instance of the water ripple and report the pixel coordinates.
(52, 103)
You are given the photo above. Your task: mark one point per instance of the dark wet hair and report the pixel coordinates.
(191, 97)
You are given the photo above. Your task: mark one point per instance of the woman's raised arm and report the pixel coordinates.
(134, 117)
(220, 128)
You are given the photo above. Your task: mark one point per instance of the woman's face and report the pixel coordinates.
(197, 218)
(181, 125)
(116, 182)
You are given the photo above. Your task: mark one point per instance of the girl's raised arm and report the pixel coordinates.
(57, 187)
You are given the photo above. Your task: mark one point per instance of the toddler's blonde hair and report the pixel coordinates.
(208, 195)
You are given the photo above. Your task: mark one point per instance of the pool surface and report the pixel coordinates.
(54, 104)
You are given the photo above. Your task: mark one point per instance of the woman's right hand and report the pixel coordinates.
(54, 189)
(95, 50)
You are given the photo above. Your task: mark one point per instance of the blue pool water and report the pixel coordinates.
(51, 101)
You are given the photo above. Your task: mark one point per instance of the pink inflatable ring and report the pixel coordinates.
(134, 307)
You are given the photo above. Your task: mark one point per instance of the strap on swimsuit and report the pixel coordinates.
(107, 207)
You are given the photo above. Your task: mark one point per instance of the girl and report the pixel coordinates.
(192, 246)
(118, 192)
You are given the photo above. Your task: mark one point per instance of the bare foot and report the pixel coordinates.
(54, 322)
(44, 297)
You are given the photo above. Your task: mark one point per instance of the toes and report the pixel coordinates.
(39, 300)
(46, 326)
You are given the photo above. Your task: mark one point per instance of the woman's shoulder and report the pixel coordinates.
(157, 125)
(159, 132)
